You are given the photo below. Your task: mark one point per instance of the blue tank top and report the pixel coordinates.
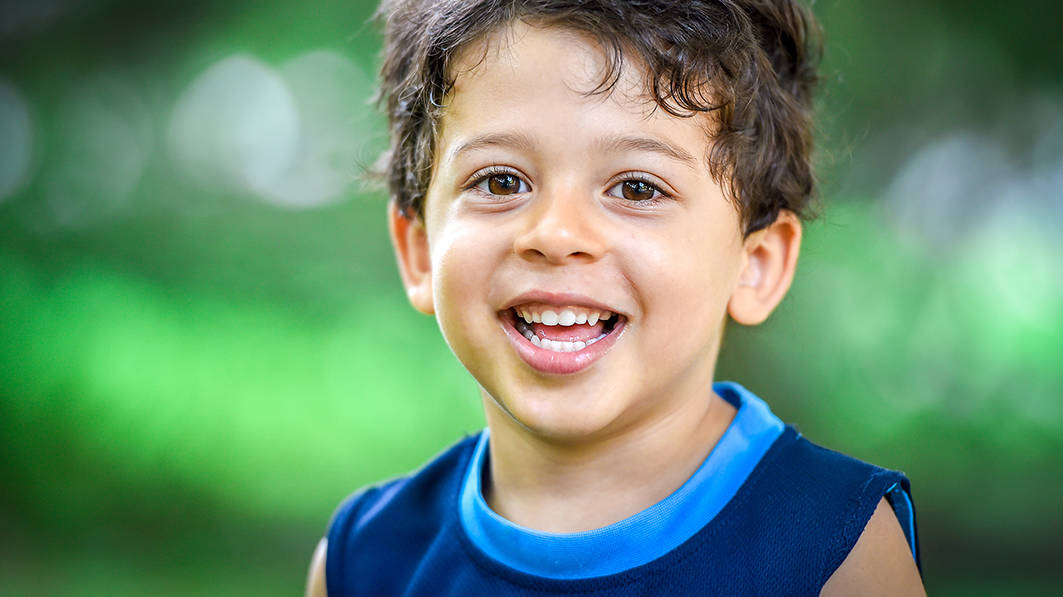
(766, 513)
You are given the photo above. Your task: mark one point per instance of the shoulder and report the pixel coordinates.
(315, 581)
(821, 504)
(393, 517)
(880, 563)
(419, 488)
(819, 478)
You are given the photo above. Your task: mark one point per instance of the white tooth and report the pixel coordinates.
(536, 318)
(535, 340)
(528, 334)
(567, 317)
(549, 345)
(579, 345)
(549, 318)
(527, 317)
(592, 318)
(567, 347)
(607, 315)
(581, 318)
(592, 341)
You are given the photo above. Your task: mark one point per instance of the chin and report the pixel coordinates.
(559, 416)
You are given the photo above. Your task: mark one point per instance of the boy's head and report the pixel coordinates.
(583, 190)
(750, 63)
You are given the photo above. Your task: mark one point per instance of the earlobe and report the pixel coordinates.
(771, 260)
(410, 239)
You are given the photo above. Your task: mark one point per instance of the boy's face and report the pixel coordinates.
(544, 198)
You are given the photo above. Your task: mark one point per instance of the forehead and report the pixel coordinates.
(524, 77)
(521, 45)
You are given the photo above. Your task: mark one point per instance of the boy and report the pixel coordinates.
(581, 193)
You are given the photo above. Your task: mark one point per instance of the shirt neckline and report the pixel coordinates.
(646, 535)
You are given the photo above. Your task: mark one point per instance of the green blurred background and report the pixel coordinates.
(204, 346)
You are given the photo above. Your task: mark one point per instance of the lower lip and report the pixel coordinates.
(558, 363)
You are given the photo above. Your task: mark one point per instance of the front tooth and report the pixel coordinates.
(592, 318)
(567, 317)
(567, 346)
(549, 318)
(552, 345)
(581, 318)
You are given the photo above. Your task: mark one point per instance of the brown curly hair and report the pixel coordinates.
(751, 62)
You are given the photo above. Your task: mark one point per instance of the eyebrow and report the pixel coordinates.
(523, 142)
(647, 144)
(516, 140)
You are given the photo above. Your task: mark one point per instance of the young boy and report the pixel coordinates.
(582, 192)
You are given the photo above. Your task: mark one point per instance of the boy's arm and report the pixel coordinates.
(315, 581)
(881, 563)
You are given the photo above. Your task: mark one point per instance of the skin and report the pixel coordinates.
(673, 261)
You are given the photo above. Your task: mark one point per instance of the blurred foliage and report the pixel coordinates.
(194, 370)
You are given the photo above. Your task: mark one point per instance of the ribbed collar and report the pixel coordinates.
(642, 537)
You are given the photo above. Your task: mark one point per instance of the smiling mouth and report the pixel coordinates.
(563, 329)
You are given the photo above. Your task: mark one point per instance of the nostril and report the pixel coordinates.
(557, 257)
(533, 255)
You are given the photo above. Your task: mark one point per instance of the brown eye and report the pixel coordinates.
(637, 190)
(503, 184)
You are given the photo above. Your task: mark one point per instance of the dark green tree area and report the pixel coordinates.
(204, 346)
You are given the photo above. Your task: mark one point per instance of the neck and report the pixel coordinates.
(566, 487)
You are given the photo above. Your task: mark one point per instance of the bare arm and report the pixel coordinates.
(880, 563)
(315, 581)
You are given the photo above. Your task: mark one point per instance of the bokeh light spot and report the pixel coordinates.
(16, 130)
(944, 190)
(100, 153)
(332, 97)
(236, 128)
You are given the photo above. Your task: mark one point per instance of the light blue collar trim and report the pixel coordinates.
(643, 537)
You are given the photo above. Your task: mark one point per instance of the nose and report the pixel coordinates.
(563, 228)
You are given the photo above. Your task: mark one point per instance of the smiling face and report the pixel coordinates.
(594, 217)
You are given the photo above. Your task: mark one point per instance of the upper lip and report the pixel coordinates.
(560, 299)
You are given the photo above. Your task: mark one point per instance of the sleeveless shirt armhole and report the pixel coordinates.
(881, 484)
(339, 529)
(899, 498)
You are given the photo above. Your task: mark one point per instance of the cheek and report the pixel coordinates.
(685, 279)
(453, 270)
(464, 259)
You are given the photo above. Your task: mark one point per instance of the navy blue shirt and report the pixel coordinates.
(767, 512)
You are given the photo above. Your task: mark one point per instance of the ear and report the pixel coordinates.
(770, 262)
(410, 240)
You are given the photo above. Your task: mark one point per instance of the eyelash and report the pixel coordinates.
(485, 175)
(659, 194)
